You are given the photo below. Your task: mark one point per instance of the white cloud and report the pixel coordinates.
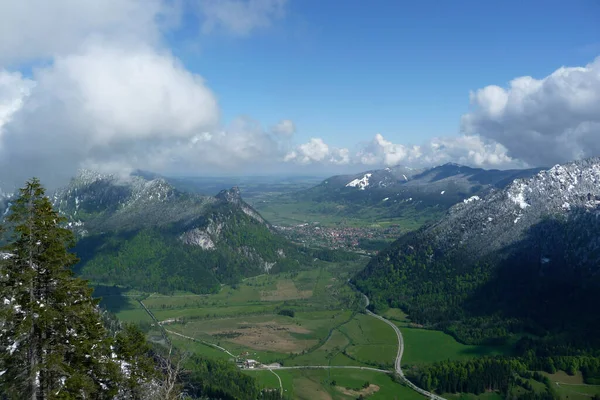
(541, 121)
(37, 29)
(317, 151)
(469, 150)
(105, 103)
(285, 128)
(382, 152)
(13, 90)
(239, 17)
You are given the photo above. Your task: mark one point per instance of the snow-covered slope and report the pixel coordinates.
(393, 191)
(506, 216)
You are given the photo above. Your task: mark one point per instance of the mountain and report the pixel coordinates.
(443, 185)
(523, 259)
(145, 234)
(415, 196)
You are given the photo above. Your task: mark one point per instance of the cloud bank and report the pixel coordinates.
(107, 93)
(541, 121)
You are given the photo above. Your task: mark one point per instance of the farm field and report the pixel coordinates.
(335, 384)
(423, 346)
(301, 318)
(572, 387)
(281, 210)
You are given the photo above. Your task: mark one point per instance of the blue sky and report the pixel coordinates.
(345, 70)
(218, 87)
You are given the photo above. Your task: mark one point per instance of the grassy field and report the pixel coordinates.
(288, 212)
(371, 341)
(335, 385)
(572, 387)
(327, 328)
(427, 346)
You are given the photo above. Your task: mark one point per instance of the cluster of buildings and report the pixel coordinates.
(345, 237)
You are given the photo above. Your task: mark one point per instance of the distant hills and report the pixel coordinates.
(398, 193)
(145, 234)
(442, 186)
(518, 257)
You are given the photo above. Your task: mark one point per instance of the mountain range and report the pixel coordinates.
(402, 191)
(145, 234)
(522, 259)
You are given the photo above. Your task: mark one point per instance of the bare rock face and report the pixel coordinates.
(198, 237)
(233, 196)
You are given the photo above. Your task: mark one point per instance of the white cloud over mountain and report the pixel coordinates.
(469, 150)
(317, 151)
(541, 121)
(106, 92)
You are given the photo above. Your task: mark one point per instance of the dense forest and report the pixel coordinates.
(502, 374)
(502, 295)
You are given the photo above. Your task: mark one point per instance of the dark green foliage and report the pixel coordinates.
(157, 260)
(220, 379)
(148, 260)
(473, 376)
(287, 312)
(131, 346)
(335, 255)
(490, 298)
(53, 343)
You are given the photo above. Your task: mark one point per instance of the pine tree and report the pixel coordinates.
(53, 344)
(133, 349)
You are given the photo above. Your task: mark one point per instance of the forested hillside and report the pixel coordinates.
(147, 235)
(522, 260)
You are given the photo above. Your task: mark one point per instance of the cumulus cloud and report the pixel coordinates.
(468, 150)
(240, 17)
(109, 96)
(103, 103)
(13, 90)
(541, 121)
(104, 93)
(317, 151)
(37, 29)
(285, 128)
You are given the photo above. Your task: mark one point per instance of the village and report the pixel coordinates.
(365, 239)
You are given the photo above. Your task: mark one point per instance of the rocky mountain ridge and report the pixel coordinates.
(143, 233)
(505, 216)
(522, 258)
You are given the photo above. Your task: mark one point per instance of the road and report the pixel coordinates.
(385, 371)
(398, 362)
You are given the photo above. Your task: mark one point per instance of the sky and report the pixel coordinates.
(241, 87)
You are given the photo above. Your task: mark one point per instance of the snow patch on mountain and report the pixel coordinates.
(360, 183)
(517, 194)
(470, 199)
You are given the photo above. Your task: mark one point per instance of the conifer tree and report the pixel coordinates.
(53, 344)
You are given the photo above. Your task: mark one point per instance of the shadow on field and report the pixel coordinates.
(112, 298)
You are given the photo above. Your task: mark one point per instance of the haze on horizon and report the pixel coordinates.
(253, 87)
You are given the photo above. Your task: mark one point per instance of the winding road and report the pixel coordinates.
(398, 363)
